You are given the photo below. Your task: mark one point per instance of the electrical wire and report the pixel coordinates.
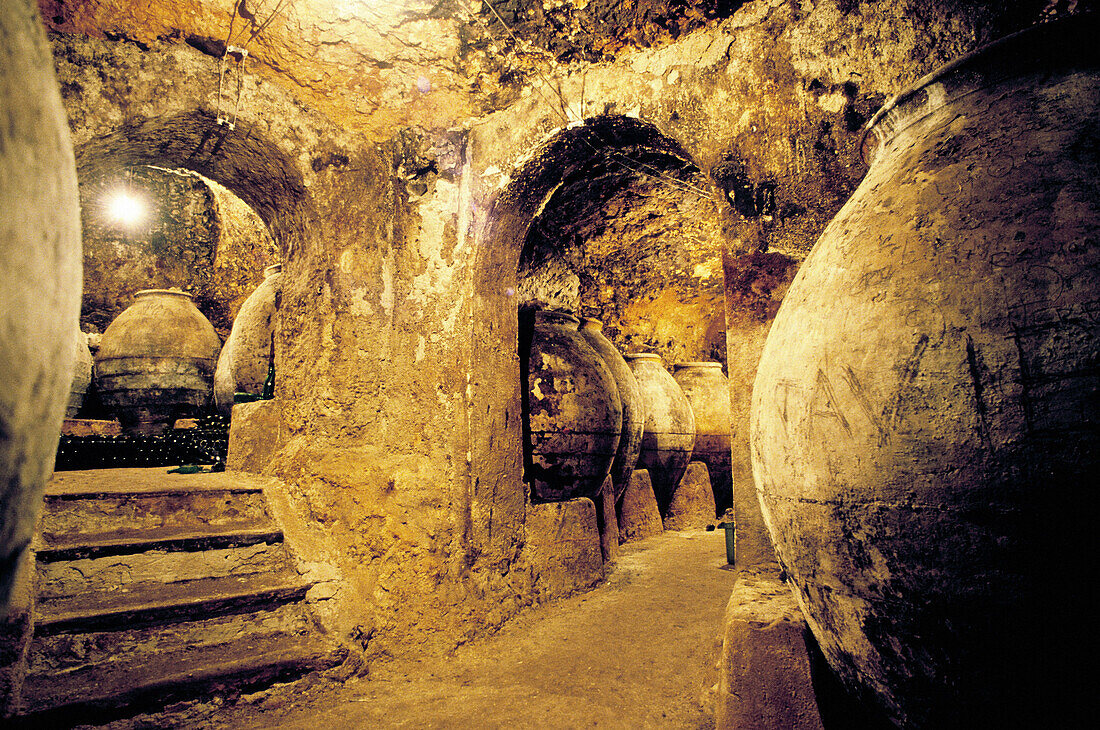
(240, 53)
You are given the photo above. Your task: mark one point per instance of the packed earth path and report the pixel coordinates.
(638, 651)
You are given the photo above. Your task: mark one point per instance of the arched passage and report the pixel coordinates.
(608, 175)
(245, 163)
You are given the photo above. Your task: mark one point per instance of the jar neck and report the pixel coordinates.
(1059, 45)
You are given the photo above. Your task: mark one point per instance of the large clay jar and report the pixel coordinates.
(630, 395)
(156, 361)
(246, 357)
(573, 413)
(39, 276)
(709, 393)
(82, 374)
(926, 414)
(669, 436)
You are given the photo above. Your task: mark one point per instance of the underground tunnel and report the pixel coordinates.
(547, 364)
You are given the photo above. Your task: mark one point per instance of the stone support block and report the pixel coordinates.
(692, 505)
(256, 433)
(608, 521)
(563, 547)
(764, 673)
(639, 517)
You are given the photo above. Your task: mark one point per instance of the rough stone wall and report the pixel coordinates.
(173, 245)
(632, 240)
(245, 248)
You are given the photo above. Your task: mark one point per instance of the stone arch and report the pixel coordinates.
(499, 497)
(253, 168)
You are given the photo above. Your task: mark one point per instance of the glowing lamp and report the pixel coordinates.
(126, 209)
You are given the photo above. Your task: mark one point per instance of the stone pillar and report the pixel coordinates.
(764, 673)
(256, 433)
(608, 521)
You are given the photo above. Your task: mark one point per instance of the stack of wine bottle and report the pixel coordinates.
(206, 444)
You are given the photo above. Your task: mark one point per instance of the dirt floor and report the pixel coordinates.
(636, 652)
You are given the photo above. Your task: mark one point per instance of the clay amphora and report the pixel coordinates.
(669, 436)
(245, 359)
(82, 374)
(573, 416)
(630, 395)
(156, 361)
(709, 393)
(39, 282)
(926, 414)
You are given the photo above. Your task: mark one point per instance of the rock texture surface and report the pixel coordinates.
(399, 158)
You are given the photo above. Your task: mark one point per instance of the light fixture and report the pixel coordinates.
(126, 208)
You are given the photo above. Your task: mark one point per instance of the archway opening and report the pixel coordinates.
(152, 219)
(610, 219)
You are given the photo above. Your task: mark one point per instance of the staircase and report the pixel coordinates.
(155, 587)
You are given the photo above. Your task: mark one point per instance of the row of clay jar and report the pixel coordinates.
(591, 411)
(161, 359)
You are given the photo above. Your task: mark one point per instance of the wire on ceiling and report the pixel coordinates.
(238, 51)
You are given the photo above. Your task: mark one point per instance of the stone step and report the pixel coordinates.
(130, 500)
(116, 574)
(55, 547)
(154, 603)
(97, 694)
(66, 652)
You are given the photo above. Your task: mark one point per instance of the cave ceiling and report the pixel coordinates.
(378, 65)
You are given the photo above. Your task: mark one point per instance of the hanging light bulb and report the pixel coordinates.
(126, 208)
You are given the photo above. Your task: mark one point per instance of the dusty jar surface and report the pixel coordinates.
(573, 416)
(40, 275)
(246, 356)
(156, 361)
(927, 408)
(708, 391)
(669, 436)
(630, 395)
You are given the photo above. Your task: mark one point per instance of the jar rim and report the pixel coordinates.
(553, 315)
(698, 364)
(172, 292)
(1066, 41)
(641, 356)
